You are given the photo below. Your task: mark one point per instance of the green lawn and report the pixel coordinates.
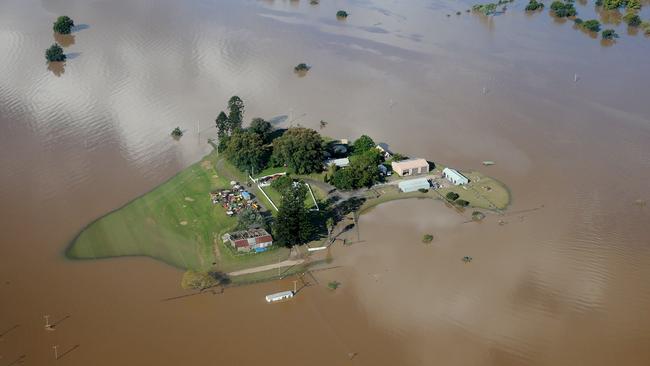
(175, 223)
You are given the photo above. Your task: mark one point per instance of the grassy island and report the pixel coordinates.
(182, 221)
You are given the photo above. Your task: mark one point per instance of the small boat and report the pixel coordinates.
(488, 162)
(279, 296)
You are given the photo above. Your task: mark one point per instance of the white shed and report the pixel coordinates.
(454, 176)
(279, 296)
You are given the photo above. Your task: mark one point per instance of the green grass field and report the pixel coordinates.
(175, 223)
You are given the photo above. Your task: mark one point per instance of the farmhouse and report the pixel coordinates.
(454, 176)
(383, 149)
(410, 167)
(413, 185)
(244, 241)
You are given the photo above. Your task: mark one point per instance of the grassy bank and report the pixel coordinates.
(175, 223)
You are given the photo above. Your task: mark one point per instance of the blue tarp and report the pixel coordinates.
(260, 250)
(246, 195)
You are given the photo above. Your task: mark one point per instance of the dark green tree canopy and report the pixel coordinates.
(363, 144)
(300, 149)
(223, 125)
(235, 113)
(282, 184)
(245, 150)
(262, 128)
(55, 53)
(63, 25)
(292, 225)
(250, 218)
(362, 172)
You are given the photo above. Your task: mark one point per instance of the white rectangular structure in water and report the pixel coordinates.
(279, 296)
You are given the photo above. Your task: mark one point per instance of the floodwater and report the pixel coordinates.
(560, 280)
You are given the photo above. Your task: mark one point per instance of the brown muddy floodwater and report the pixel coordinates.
(561, 281)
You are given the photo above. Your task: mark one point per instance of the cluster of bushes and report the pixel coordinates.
(485, 9)
(533, 5)
(634, 5)
(632, 19)
(364, 167)
(342, 14)
(453, 197)
(591, 25)
(562, 10)
(609, 34)
(302, 67)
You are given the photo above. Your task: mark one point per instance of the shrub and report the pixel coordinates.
(485, 9)
(427, 238)
(609, 34)
(177, 132)
(646, 27)
(63, 25)
(452, 196)
(612, 4)
(591, 25)
(462, 203)
(423, 190)
(55, 53)
(333, 285)
(633, 5)
(478, 215)
(302, 67)
(533, 5)
(632, 19)
(578, 21)
(342, 14)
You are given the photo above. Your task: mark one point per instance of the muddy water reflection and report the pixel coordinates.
(562, 285)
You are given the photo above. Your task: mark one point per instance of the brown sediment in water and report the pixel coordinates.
(566, 285)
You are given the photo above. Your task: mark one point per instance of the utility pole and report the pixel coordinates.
(56, 352)
(295, 289)
(356, 224)
(48, 326)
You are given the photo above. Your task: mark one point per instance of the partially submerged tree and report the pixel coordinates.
(177, 132)
(302, 67)
(235, 113)
(55, 53)
(193, 280)
(452, 196)
(609, 34)
(632, 19)
(533, 5)
(342, 14)
(591, 25)
(561, 9)
(63, 25)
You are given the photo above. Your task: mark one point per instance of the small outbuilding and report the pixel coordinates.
(410, 167)
(413, 185)
(454, 176)
(257, 240)
(383, 149)
(341, 163)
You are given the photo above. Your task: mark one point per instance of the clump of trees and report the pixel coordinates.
(251, 218)
(562, 10)
(300, 149)
(533, 5)
(55, 53)
(609, 34)
(362, 144)
(292, 225)
(193, 280)
(333, 285)
(616, 4)
(591, 25)
(461, 203)
(63, 25)
(485, 9)
(342, 14)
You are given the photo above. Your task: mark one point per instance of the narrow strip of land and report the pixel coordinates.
(287, 263)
